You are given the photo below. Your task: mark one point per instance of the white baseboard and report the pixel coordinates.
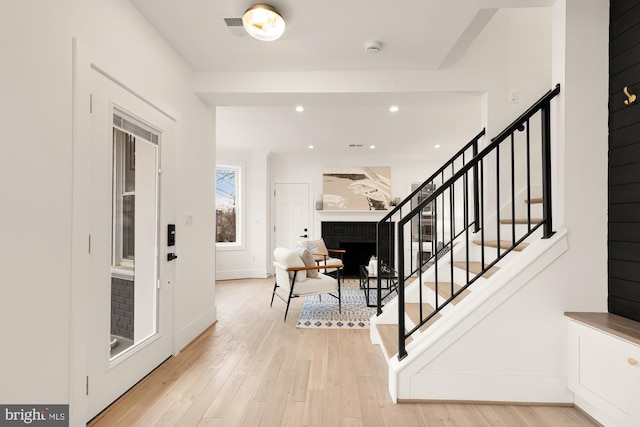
(241, 274)
(195, 328)
(490, 388)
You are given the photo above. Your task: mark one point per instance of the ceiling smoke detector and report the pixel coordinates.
(373, 47)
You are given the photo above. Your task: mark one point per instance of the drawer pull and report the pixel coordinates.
(632, 361)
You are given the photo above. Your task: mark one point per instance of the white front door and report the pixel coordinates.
(291, 214)
(130, 302)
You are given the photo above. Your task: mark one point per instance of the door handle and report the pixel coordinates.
(305, 236)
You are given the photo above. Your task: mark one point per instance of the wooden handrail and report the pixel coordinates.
(314, 267)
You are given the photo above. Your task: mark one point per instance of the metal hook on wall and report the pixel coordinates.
(631, 98)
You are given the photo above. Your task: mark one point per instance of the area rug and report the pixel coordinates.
(323, 313)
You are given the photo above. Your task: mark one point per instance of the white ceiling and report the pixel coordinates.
(330, 35)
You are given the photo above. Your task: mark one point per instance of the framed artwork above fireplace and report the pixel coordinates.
(356, 188)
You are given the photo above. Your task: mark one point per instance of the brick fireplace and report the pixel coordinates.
(358, 239)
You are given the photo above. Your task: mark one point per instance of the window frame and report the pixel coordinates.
(239, 244)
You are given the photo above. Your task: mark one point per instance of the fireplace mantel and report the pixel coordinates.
(349, 216)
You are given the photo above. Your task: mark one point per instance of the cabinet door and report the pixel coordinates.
(605, 371)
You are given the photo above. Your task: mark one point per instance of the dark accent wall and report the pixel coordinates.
(624, 160)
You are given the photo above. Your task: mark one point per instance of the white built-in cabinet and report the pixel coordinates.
(603, 367)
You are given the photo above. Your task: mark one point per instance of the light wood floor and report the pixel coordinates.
(253, 369)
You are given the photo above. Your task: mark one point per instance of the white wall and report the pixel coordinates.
(36, 206)
(581, 151)
(38, 301)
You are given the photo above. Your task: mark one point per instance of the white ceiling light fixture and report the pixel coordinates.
(394, 108)
(299, 108)
(263, 22)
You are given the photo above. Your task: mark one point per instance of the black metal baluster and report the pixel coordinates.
(528, 177)
(451, 230)
(476, 203)
(453, 206)
(402, 352)
(498, 196)
(546, 171)
(465, 185)
(435, 254)
(421, 266)
(482, 210)
(420, 249)
(513, 191)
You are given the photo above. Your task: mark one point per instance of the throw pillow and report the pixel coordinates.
(318, 247)
(308, 260)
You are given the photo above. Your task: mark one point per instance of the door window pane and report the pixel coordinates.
(134, 269)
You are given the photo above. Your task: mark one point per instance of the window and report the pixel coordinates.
(124, 180)
(227, 206)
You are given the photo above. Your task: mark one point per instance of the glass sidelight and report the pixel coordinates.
(134, 249)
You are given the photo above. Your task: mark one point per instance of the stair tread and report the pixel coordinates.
(444, 290)
(412, 309)
(534, 221)
(504, 244)
(534, 200)
(475, 267)
(389, 335)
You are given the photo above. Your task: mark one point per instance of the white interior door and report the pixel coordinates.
(130, 329)
(291, 214)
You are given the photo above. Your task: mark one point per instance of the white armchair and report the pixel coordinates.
(291, 275)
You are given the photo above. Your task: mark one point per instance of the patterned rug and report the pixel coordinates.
(324, 314)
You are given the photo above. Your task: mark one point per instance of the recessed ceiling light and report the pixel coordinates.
(372, 146)
(299, 108)
(311, 147)
(436, 146)
(394, 108)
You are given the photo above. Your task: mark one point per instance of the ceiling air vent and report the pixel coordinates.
(355, 145)
(234, 24)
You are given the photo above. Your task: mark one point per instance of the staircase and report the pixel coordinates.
(461, 264)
